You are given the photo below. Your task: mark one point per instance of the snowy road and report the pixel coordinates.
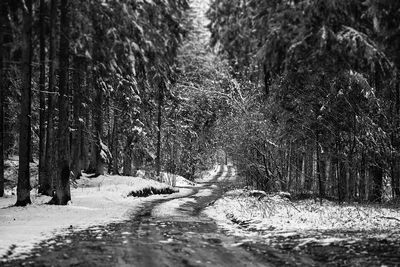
(174, 231)
(167, 232)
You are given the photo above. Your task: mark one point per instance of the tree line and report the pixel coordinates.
(319, 93)
(89, 85)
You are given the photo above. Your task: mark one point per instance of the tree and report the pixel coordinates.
(325, 79)
(63, 192)
(42, 99)
(47, 183)
(161, 90)
(24, 187)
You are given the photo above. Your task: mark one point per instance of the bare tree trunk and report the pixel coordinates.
(159, 124)
(289, 168)
(395, 176)
(63, 192)
(98, 126)
(98, 101)
(303, 172)
(47, 185)
(76, 146)
(42, 99)
(115, 144)
(328, 172)
(24, 186)
(127, 168)
(362, 183)
(342, 183)
(351, 181)
(377, 179)
(320, 172)
(309, 167)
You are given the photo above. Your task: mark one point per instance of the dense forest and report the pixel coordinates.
(319, 91)
(310, 104)
(89, 85)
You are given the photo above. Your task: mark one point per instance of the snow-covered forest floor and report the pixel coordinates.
(275, 219)
(95, 201)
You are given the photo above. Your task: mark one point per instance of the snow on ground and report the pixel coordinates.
(209, 175)
(94, 201)
(176, 180)
(204, 193)
(273, 215)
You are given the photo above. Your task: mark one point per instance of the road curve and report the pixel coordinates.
(166, 232)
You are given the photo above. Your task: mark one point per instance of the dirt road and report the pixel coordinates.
(170, 232)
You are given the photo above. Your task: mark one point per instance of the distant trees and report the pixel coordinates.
(326, 122)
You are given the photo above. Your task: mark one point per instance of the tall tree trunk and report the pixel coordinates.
(328, 172)
(309, 167)
(363, 178)
(395, 176)
(377, 179)
(86, 126)
(351, 181)
(320, 172)
(42, 99)
(115, 144)
(289, 168)
(98, 127)
(161, 86)
(47, 185)
(24, 186)
(127, 165)
(303, 171)
(3, 13)
(342, 180)
(63, 192)
(98, 74)
(76, 146)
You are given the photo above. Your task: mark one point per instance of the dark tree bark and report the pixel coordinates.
(24, 186)
(63, 192)
(396, 176)
(320, 172)
(76, 165)
(309, 167)
(42, 105)
(362, 183)
(98, 73)
(342, 181)
(98, 128)
(161, 86)
(127, 165)
(3, 14)
(376, 173)
(266, 81)
(115, 144)
(85, 132)
(47, 185)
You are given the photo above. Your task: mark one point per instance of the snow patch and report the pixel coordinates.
(95, 201)
(241, 213)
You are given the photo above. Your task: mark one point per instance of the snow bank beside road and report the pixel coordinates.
(94, 201)
(274, 214)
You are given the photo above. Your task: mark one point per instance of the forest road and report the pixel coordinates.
(167, 232)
